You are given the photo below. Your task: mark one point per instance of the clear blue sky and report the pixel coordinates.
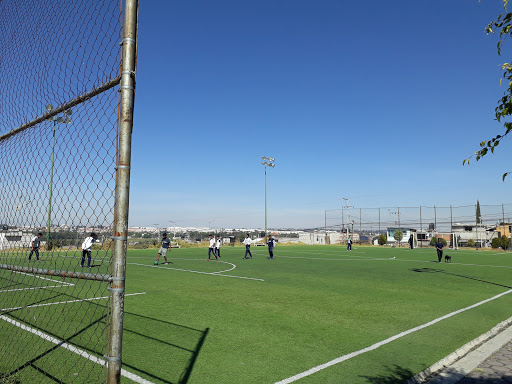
(377, 101)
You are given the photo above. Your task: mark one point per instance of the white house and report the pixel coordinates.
(14, 239)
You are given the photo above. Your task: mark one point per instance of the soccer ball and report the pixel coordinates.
(156, 263)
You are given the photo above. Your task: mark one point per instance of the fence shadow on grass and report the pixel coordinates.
(180, 345)
(434, 270)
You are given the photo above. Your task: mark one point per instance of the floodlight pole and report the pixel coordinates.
(56, 119)
(348, 225)
(267, 161)
(51, 191)
(174, 234)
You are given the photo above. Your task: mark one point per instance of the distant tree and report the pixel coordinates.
(398, 236)
(496, 242)
(383, 239)
(478, 214)
(471, 243)
(505, 242)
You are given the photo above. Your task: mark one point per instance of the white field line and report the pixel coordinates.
(386, 341)
(133, 377)
(65, 302)
(44, 278)
(28, 289)
(203, 273)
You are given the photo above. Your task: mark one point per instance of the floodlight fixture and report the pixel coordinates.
(267, 162)
(67, 120)
(69, 112)
(49, 107)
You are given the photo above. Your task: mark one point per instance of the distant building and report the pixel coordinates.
(479, 233)
(390, 232)
(12, 238)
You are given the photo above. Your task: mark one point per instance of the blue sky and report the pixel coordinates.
(377, 101)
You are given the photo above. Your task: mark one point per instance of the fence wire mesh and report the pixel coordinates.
(59, 71)
(422, 218)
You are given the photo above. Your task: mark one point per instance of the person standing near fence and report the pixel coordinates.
(217, 246)
(247, 243)
(271, 244)
(166, 243)
(349, 244)
(211, 248)
(86, 249)
(411, 242)
(439, 248)
(34, 246)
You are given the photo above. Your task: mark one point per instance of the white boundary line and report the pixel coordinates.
(133, 377)
(384, 342)
(28, 289)
(66, 302)
(203, 273)
(44, 278)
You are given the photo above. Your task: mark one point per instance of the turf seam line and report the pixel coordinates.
(386, 341)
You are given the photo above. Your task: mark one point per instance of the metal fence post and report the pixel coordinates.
(122, 192)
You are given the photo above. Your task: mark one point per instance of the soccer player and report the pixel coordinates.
(34, 246)
(439, 248)
(271, 244)
(349, 244)
(211, 248)
(86, 249)
(247, 243)
(166, 242)
(217, 246)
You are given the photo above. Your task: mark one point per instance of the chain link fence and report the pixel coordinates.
(60, 71)
(422, 218)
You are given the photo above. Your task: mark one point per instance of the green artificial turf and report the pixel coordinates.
(262, 321)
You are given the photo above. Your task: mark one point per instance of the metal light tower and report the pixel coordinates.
(64, 119)
(347, 207)
(174, 234)
(267, 162)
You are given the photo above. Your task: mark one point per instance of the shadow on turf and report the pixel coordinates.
(433, 270)
(193, 336)
(394, 375)
(191, 340)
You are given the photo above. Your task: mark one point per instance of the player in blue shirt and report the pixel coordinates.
(271, 244)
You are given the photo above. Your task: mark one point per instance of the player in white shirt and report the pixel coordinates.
(86, 249)
(34, 246)
(247, 243)
(211, 248)
(217, 246)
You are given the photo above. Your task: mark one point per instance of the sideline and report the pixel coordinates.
(386, 341)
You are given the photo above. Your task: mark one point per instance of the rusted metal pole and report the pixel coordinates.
(122, 192)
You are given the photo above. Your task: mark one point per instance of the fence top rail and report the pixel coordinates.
(62, 108)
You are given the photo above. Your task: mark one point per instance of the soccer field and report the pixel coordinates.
(373, 315)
